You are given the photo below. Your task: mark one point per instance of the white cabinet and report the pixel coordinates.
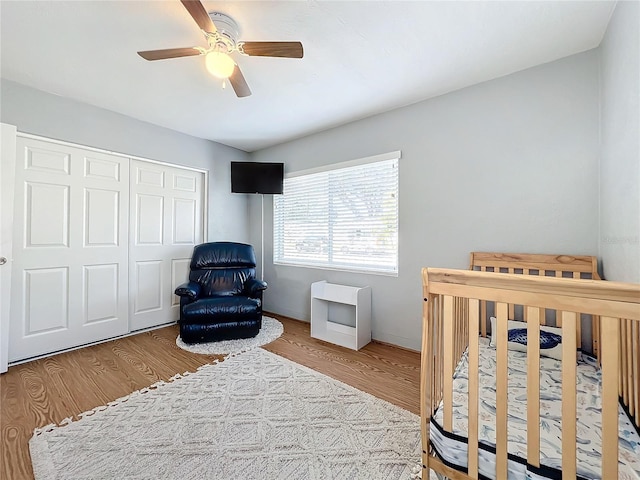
(354, 337)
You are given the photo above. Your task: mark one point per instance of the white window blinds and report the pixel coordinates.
(345, 217)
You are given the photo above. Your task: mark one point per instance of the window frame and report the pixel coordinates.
(375, 270)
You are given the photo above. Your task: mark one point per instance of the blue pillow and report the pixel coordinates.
(550, 338)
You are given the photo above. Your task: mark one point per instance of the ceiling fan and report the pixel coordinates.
(221, 32)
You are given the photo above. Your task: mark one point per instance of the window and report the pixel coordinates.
(344, 216)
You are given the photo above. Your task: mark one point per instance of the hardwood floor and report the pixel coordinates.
(49, 390)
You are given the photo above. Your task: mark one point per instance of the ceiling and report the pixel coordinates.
(360, 57)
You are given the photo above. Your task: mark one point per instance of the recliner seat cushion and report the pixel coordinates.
(221, 309)
(198, 333)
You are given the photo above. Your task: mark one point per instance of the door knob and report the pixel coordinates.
(3, 260)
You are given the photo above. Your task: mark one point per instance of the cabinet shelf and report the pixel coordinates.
(322, 328)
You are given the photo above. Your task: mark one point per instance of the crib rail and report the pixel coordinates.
(452, 320)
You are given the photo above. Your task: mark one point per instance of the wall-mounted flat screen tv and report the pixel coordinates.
(257, 177)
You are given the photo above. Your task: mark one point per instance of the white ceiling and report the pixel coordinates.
(360, 57)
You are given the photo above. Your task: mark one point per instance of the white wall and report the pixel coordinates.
(620, 136)
(40, 113)
(508, 165)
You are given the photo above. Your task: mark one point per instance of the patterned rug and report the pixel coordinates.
(271, 330)
(253, 416)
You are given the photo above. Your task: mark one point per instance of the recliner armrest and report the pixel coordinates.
(254, 287)
(189, 289)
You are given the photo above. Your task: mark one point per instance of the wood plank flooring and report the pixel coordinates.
(49, 390)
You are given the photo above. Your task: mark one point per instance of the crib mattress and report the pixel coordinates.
(452, 447)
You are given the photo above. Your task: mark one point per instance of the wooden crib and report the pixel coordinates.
(455, 317)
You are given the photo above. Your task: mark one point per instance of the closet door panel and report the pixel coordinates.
(46, 300)
(149, 225)
(102, 213)
(100, 293)
(148, 279)
(46, 215)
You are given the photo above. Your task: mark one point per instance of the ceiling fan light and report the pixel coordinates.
(219, 64)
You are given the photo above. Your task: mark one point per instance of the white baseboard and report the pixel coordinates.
(38, 357)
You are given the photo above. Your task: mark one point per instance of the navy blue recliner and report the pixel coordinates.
(223, 299)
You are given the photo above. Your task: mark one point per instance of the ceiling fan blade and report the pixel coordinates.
(238, 83)
(273, 49)
(169, 53)
(200, 15)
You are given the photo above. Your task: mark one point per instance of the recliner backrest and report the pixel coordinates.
(222, 268)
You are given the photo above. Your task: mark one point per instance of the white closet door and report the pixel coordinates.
(166, 222)
(69, 276)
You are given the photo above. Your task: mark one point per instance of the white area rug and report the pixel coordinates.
(271, 329)
(253, 416)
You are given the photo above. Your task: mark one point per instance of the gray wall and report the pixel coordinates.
(508, 165)
(40, 113)
(620, 157)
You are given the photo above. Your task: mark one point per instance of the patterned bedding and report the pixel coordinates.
(452, 448)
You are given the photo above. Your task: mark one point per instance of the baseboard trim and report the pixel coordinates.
(373, 340)
(400, 347)
(57, 352)
(273, 314)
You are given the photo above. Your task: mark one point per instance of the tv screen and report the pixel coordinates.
(256, 177)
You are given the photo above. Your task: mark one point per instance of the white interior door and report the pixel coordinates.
(7, 174)
(69, 276)
(166, 222)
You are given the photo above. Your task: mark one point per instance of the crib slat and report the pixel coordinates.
(483, 312)
(636, 366)
(447, 384)
(543, 312)
(576, 275)
(624, 371)
(569, 395)
(439, 350)
(533, 387)
(629, 363)
(458, 333)
(610, 331)
(579, 331)
(558, 313)
(620, 355)
(596, 337)
(455, 331)
(512, 307)
(473, 389)
(466, 324)
(426, 365)
(525, 310)
(636, 353)
(438, 353)
(501, 391)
